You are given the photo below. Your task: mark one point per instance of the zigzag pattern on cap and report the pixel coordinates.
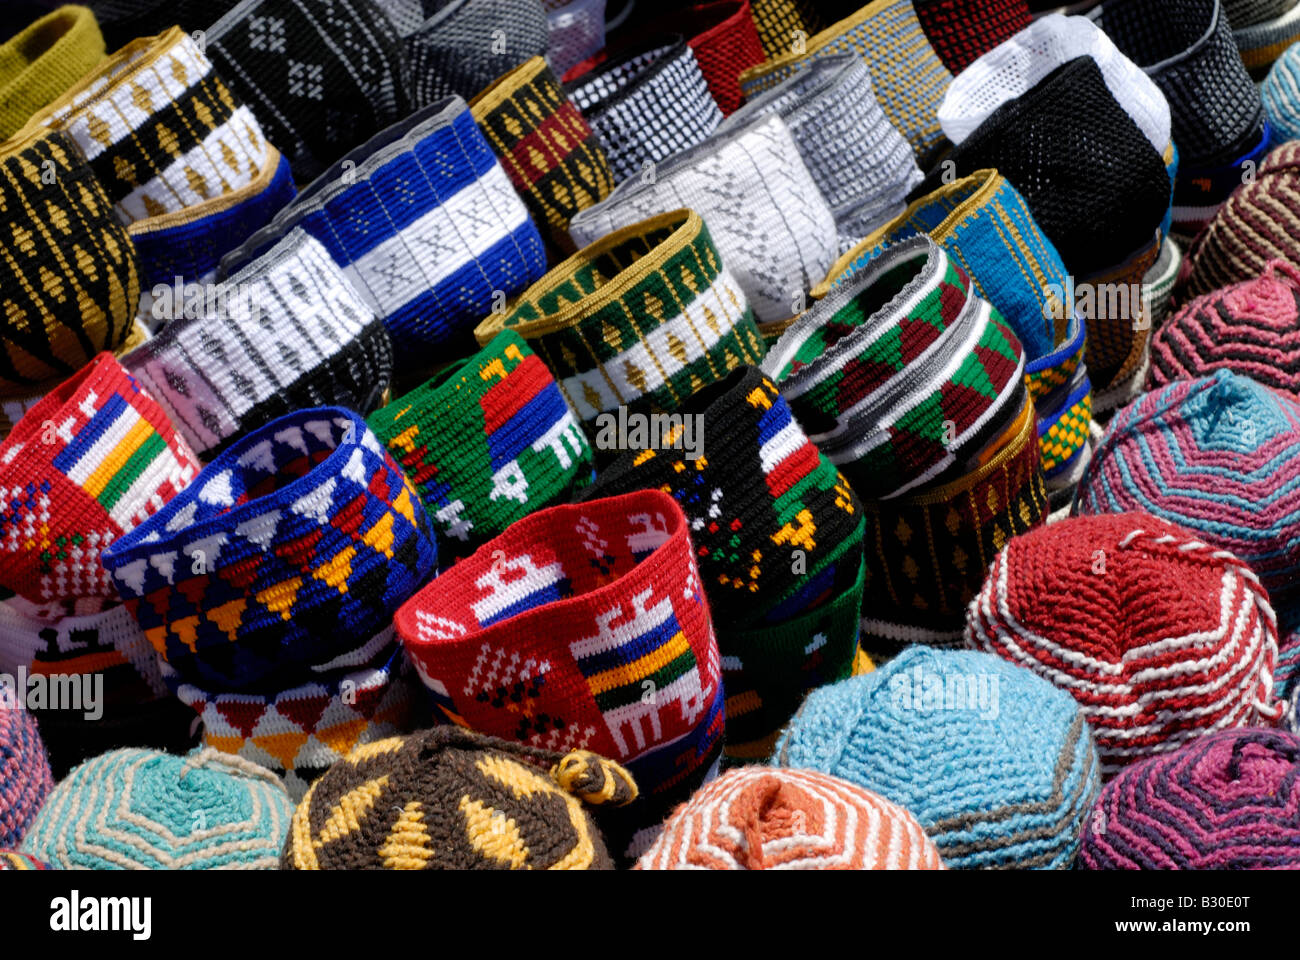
(1171, 639)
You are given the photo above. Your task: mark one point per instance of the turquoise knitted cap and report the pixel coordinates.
(997, 764)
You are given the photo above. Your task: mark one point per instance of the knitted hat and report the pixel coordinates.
(1199, 194)
(286, 556)
(908, 75)
(1258, 223)
(996, 764)
(40, 62)
(725, 41)
(860, 163)
(12, 860)
(1281, 93)
(961, 30)
(1226, 801)
(763, 208)
(322, 81)
(582, 627)
(1219, 456)
(550, 154)
(68, 292)
(1186, 47)
(145, 810)
(1158, 284)
(576, 31)
(189, 244)
(1158, 636)
(649, 314)
(294, 334)
(647, 105)
(780, 23)
(25, 779)
(425, 223)
(485, 443)
(764, 819)
(1251, 328)
(87, 464)
(159, 127)
(781, 563)
(463, 45)
(904, 376)
(1019, 63)
(449, 799)
(1262, 37)
(984, 224)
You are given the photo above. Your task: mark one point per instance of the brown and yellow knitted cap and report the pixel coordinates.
(450, 799)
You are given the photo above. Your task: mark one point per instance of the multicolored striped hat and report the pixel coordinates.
(485, 443)
(1263, 30)
(44, 59)
(1219, 456)
(646, 316)
(908, 76)
(769, 220)
(12, 860)
(25, 779)
(144, 810)
(782, 567)
(1281, 93)
(424, 222)
(773, 819)
(450, 799)
(1159, 636)
(961, 30)
(996, 764)
(94, 459)
(1225, 801)
(582, 627)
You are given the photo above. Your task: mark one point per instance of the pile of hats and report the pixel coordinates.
(726, 435)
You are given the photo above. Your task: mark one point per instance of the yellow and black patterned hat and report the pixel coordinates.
(450, 799)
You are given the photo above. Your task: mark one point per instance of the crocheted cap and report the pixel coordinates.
(773, 819)
(1158, 636)
(25, 778)
(41, 61)
(1281, 93)
(137, 809)
(450, 799)
(995, 763)
(961, 30)
(1251, 328)
(1226, 801)
(12, 860)
(1267, 32)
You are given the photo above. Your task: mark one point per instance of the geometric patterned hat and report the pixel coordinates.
(44, 59)
(962, 30)
(778, 20)
(757, 818)
(25, 778)
(1281, 93)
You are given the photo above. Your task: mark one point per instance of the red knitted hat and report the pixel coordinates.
(962, 30)
(1158, 636)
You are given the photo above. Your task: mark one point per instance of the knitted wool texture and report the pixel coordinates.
(424, 222)
(144, 810)
(38, 63)
(69, 275)
(187, 246)
(1186, 47)
(1258, 223)
(160, 128)
(1264, 37)
(1226, 801)
(744, 533)
(1250, 328)
(782, 23)
(961, 30)
(726, 43)
(545, 146)
(1281, 93)
(908, 75)
(996, 783)
(549, 634)
(1218, 456)
(87, 464)
(486, 443)
(449, 799)
(12, 860)
(647, 315)
(860, 163)
(763, 819)
(904, 375)
(464, 45)
(1158, 636)
(771, 223)
(1158, 284)
(983, 224)
(1199, 194)
(25, 779)
(294, 334)
(647, 105)
(322, 77)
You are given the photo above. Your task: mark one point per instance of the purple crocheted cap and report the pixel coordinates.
(25, 779)
(1227, 800)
